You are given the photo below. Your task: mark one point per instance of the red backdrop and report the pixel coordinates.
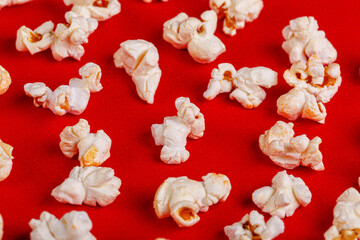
(229, 145)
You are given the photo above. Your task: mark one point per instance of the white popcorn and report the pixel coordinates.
(1, 227)
(35, 41)
(196, 35)
(247, 83)
(88, 185)
(140, 59)
(72, 98)
(236, 13)
(172, 134)
(75, 225)
(69, 37)
(253, 226)
(288, 151)
(8, 3)
(5, 160)
(182, 198)
(100, 10)
(93, 149)
(285, 195)
(303, 39)
(5, 80)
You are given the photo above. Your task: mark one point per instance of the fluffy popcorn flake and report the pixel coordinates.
(88, 185)
(245, 84)
(100, 10)
(303, 39)
(140, 59)
(288, 151)
(5, 160)
(5, 80)
(1, 227)
(182, 198)
(35, 41)
(8, 3)
(236, 13)
(285, 195)
(196, 35)
(253, 226)
(172, 134)
(72, 98)
(75, 225)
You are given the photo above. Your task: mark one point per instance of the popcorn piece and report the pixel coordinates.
(182, 198)
(285, 195)
(100, 10)
(140, 59)
(1, 227)
(246, 81)
(346, 223)
(172, 134)
(9, 3)
(75, 225)
(5, 80)
(93, 149)
(69, 37)
(88, 185)
(72, 98)
(5, 160)
(196, 35)
(288, 151)
(236, 13)
(303, 39)
(35, 41)
(253, 226)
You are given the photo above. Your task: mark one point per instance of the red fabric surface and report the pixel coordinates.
(230, 143)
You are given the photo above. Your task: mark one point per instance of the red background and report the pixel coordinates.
(229, 145)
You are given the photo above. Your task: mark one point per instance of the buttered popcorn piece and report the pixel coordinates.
(253, 226)
(8, 3)
(5, 160)
(75, 225)
(182, 198)
(93, 149)
(69, 37)
(245, 84)
(5, 80)
(90, 186)
(196, 35)
(346, 223)
(140, 59)
(303, 39)
(72, 98)
(100, 10)
(172, 134)
(35, 41)
(236, 13)
(285, 195)
(288, 151)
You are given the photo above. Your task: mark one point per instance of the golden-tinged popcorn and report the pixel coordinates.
(88, 185)
(285, 195)
(69, 37)
(35, 41)
(140, 59)
(196, 35)
(246, 82)
(288, 151)
(72, 98)
(172, 134)
(5, 80)
(346, 223)
(1, 227)
(74, 225)
(236, 13)
(8, 3)
(100, 10)
(303, 39)
(182, 198)
(5, 160)
(253, 226)
(93, 149)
